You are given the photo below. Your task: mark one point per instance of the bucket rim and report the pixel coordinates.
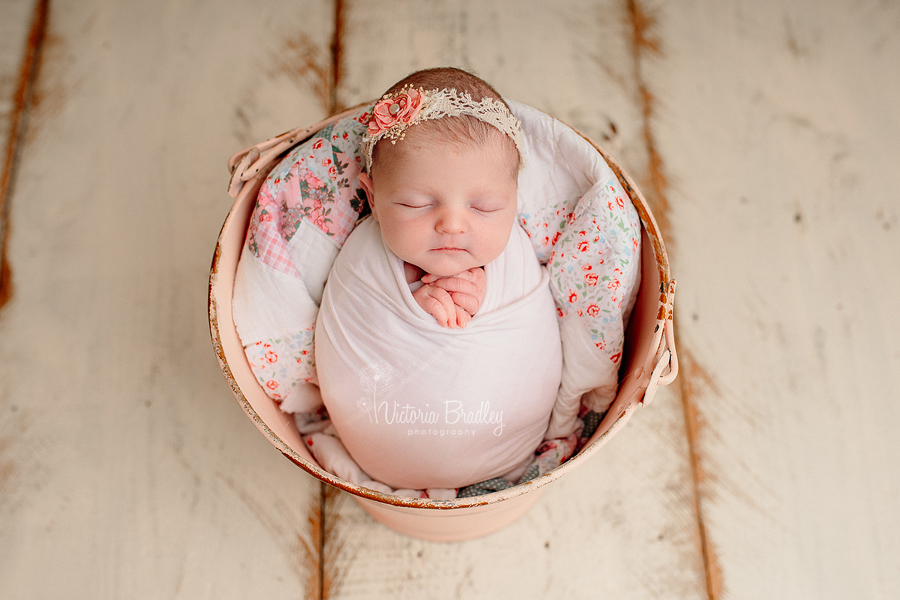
(248, 166)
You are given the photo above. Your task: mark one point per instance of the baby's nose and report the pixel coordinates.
(451, 221)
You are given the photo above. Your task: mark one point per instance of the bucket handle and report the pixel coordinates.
(248, 162)
(666, 356)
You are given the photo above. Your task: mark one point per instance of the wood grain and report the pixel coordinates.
(16, 17)
(126, 467)
(778, 126)
(624, 523)
(21, 38)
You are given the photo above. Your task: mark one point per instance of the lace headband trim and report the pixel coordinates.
(395, 113)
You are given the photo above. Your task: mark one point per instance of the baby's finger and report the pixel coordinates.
(447, 308)
(456, 284)
(436, 309)
(462, 317)
(467, 275)
(432, 306)
(467, 302)
(474, 275)
(478, 277)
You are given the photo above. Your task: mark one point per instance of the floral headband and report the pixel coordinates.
(395, 113)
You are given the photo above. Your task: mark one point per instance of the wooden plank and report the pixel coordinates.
(15, 23)
(126, 468)
(777, 125)
(21, 25)
(625, 523)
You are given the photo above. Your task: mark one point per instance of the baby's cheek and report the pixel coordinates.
(499, 238)
(398, 242)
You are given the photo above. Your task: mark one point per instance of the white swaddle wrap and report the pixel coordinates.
(418, 405)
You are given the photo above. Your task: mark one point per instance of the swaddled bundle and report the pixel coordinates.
(423, 406)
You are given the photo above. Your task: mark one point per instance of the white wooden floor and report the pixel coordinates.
(766, 135)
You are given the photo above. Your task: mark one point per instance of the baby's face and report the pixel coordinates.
(442, 206)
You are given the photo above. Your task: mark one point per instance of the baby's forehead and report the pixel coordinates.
(434, 136)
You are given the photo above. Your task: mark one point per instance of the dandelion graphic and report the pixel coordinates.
(375, 379)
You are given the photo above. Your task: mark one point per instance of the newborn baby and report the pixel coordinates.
(437, 343)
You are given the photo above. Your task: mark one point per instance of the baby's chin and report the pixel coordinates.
(450, 263)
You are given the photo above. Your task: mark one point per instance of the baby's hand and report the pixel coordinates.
(466, 289)
(438, 303)
(453, 300)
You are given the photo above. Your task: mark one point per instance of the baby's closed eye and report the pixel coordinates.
(487, 208)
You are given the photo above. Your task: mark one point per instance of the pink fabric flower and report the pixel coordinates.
(403, 108)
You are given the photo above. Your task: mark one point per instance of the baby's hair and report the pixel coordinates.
(462, 130)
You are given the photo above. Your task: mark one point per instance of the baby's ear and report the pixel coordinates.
(366, 182)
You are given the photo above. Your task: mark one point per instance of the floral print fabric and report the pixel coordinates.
(590, 247)
(280, 364)
(316, 182)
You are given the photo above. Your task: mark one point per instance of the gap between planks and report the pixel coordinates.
(328, 575)
(18, 120)
(644, 46)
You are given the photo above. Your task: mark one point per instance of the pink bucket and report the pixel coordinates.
(649, 360)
